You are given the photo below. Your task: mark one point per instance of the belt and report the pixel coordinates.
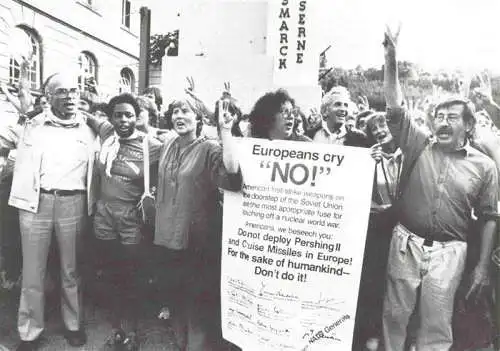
(427, 240)
(60, 192)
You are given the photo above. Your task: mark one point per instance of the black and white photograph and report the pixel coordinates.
(249, 175)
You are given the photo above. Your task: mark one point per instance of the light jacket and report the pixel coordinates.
(28, 139)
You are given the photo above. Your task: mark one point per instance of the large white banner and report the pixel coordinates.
(293, 243)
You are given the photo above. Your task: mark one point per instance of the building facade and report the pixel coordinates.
(96, 38)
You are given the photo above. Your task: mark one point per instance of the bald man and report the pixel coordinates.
(53, 190)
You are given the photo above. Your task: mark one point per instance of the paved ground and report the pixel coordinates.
(155, 334)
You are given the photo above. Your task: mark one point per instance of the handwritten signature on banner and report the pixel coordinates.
(266, 291)
(314, 336)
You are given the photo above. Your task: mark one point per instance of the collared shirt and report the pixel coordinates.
(65, 154)
(444, 188)
(388, 171)
(324, 135)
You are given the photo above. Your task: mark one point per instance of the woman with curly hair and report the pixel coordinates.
(272, 117)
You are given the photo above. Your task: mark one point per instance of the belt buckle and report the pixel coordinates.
(56, 192)
(428, 242)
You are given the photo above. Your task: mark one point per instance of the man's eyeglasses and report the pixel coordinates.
(452, 119)
(63, 92)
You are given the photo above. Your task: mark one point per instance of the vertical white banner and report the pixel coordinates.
(293, 42)
(293, 244)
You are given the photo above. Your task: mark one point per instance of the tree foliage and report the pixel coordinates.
(415, 82)
(161, 44)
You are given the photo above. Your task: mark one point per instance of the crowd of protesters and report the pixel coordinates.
(91, 174)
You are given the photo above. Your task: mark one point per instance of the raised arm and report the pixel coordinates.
(24, 101)
(484, 95)
(406, 134)
(101, 127)
(226, 120)
(25, 98)
(392, 88)
(200, 102)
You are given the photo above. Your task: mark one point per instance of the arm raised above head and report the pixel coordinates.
(392, 88)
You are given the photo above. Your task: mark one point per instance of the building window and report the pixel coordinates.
(34, 71)
(127, 81)
(126, 13)
(87, 70)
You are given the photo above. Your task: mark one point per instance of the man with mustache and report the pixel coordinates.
(335, 107)
(450, 181)
(52, 188)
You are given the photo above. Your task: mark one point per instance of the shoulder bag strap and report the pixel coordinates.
(145, 153)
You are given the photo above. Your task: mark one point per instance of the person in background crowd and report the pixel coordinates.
(10, 238)
(117, 221)
(272, 117)
(483, 99)
(62, 179)
(154, 93)
(428, 249)
(314, 123)
(188, 227)
(483, 120)
(148, 118)
(361, 120)
(350, 122)
(389, 160)
(41, 104)
(299, 126)
(87, 100)
(99, 110)
(335, 109)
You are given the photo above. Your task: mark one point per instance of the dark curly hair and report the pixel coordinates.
(263, 115)
(125, 98)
